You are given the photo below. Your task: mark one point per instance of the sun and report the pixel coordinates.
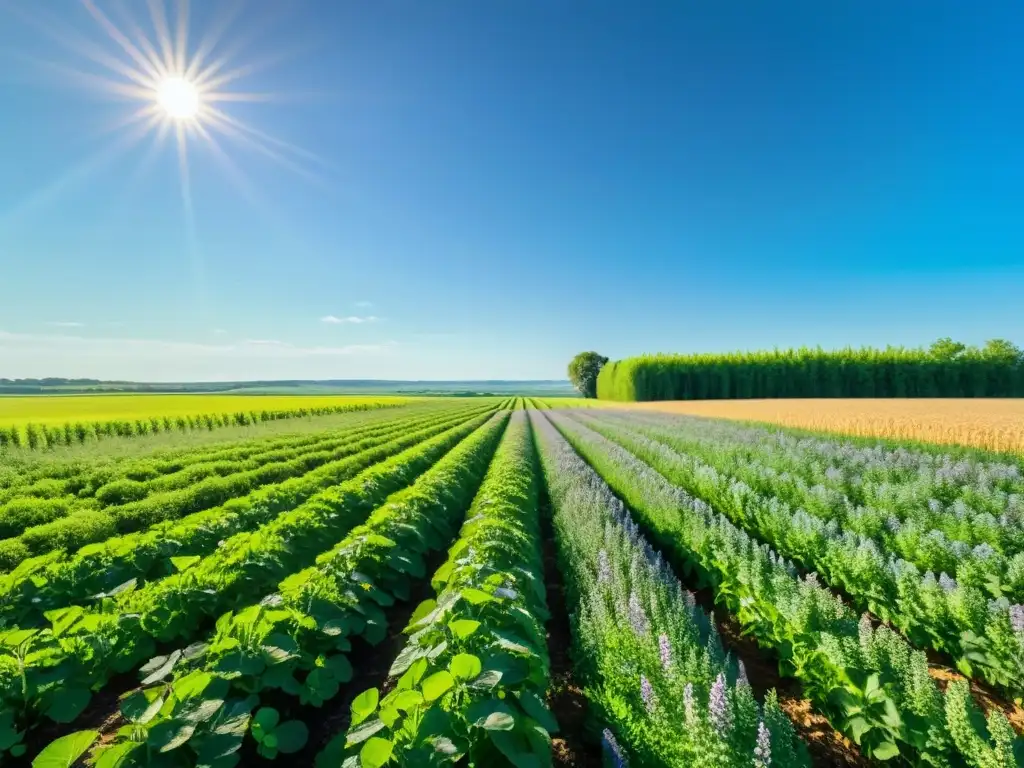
(179, 98)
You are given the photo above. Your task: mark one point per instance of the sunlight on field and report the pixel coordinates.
(994, 424)
(59, 409)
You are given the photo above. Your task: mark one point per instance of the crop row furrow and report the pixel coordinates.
(652, 663)
(868, 680)
(944, 615)
(292, 647)
(51, 672)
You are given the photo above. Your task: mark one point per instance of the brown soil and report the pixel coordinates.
(570, 746)
(984, 696)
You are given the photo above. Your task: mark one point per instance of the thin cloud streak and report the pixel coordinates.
(352, 319)
(66, 324)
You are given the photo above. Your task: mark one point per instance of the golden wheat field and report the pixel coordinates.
(995, 424)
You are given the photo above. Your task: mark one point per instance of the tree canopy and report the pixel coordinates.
(583, 370)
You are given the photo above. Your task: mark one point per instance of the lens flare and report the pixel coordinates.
(178, 98)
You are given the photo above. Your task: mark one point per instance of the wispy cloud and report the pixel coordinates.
(66, 324)
(219, 332)
(123, 347)
(353, 319)
(363, 304)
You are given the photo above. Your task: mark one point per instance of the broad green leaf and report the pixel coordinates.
(291, 736)
(885, 751)
(516, 749)
(117, 755)
(340, 668)
(68, 704)
(159, 668)
(170, 734)
(423, 610)
(141, 707)
(463, 628)
(375, 753)
(364, 705)
(492, 715)
(413, 675)
(407, 700)
(266, 718)
(476, 596)
(465, 666)
(63, 752)
(364, 731)
(184, 562)
(437, 684)
(535, 708)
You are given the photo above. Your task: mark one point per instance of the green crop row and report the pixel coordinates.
(41, 436)
(947, 616)
(52, 672)
(174, 496)
(651, 662)
(867, 680)
(58, 579)
(97, 525)
(84, 474)
(892, 372)
(292, 646)
(470, 684)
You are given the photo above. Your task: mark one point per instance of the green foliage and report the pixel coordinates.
(472, 679)
(294, 642)
(946, 369)
(584, 370)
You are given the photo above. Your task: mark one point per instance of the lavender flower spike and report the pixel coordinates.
(647, 693)
(665, 650)
(613, 750)
(1017, 618)
(763, 748)
(718, 706)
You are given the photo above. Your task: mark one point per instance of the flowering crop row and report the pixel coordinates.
(52, 672)
(293, 646)
(57, 580)
(986, 637)
(867, 680)
(651, 660)
(472, 679)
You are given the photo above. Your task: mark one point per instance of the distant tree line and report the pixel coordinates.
(947, 368)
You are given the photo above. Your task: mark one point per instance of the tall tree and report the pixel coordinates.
(583, 370)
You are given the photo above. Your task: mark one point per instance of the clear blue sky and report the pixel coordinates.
(492, 187)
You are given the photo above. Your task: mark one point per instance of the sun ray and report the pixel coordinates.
(191, 235)
(118, 37)
(181, 40)
(163, 32)
(241, 125)
(73, 41)
(141, 39)
(101, 83)
(211, 39)
(254, 143)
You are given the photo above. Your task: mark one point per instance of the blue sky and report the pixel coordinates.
(492, 187)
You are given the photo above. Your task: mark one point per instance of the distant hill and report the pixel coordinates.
(58, 386)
